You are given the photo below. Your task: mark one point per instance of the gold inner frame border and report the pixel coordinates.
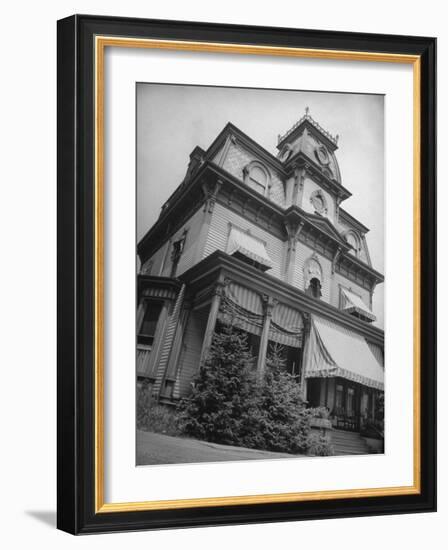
(100, 44)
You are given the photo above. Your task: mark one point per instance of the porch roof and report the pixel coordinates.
(334, 350)
(219, 265)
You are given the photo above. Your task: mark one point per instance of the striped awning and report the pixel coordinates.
(353, 303)
(247, 245)
(286, 326)
(243, 307)
(336, 351)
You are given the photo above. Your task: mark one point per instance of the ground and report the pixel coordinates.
(154, 448)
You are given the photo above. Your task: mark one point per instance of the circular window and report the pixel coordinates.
(319, 203)
(322, 155)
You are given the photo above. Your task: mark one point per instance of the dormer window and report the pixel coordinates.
(257, 176)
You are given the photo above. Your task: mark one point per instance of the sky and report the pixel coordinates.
(173, 119)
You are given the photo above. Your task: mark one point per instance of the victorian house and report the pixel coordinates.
(266, 235)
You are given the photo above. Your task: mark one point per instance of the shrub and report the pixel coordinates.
(228, 406)
(222, 391)
(277, 419)
(152, 417)
(319, 445)
(143, 404)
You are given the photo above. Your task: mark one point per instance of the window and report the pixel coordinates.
(353, 240)
(257, 177)
(339, 397)
(178, 248)
(149, 323)
(350, 401)
(319, 202)
(314, 288)
(312, 274)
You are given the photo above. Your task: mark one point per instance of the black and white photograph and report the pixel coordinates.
(260, 260)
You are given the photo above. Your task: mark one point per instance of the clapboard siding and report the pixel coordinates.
(219, 232)
(237, 158)
(153, 265)
(188, 257)
(303, 253)
(191, 351)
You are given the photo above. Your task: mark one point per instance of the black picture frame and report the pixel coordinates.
(76, 256)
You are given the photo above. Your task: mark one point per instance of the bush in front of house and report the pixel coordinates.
(152, 417)
(222, 391)
(227, 405)
(277, 419)
(163, 420)
(143, 405)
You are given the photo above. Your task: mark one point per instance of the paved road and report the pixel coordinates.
(155, 448)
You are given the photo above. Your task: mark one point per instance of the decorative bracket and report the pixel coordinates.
(335, 259)
(211, 193)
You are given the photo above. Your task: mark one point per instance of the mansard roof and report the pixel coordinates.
(192, 193)
(254, 147)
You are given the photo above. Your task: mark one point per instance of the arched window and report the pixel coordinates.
(312, 274)
(353, 240)
(257, 177)
(314, 288)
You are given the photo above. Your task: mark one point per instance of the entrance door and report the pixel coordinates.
(313, 392)
(347, 404)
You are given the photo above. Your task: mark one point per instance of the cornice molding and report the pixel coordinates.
(220, 264)
(344, 215)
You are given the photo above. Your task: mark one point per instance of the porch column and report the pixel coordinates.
(268, 303)
(211, 322)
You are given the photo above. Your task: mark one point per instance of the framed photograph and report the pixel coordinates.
(246, 274)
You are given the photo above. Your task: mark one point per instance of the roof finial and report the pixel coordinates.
(337, 138)
(307, 110)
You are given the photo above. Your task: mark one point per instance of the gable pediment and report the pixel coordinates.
(325, 225)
